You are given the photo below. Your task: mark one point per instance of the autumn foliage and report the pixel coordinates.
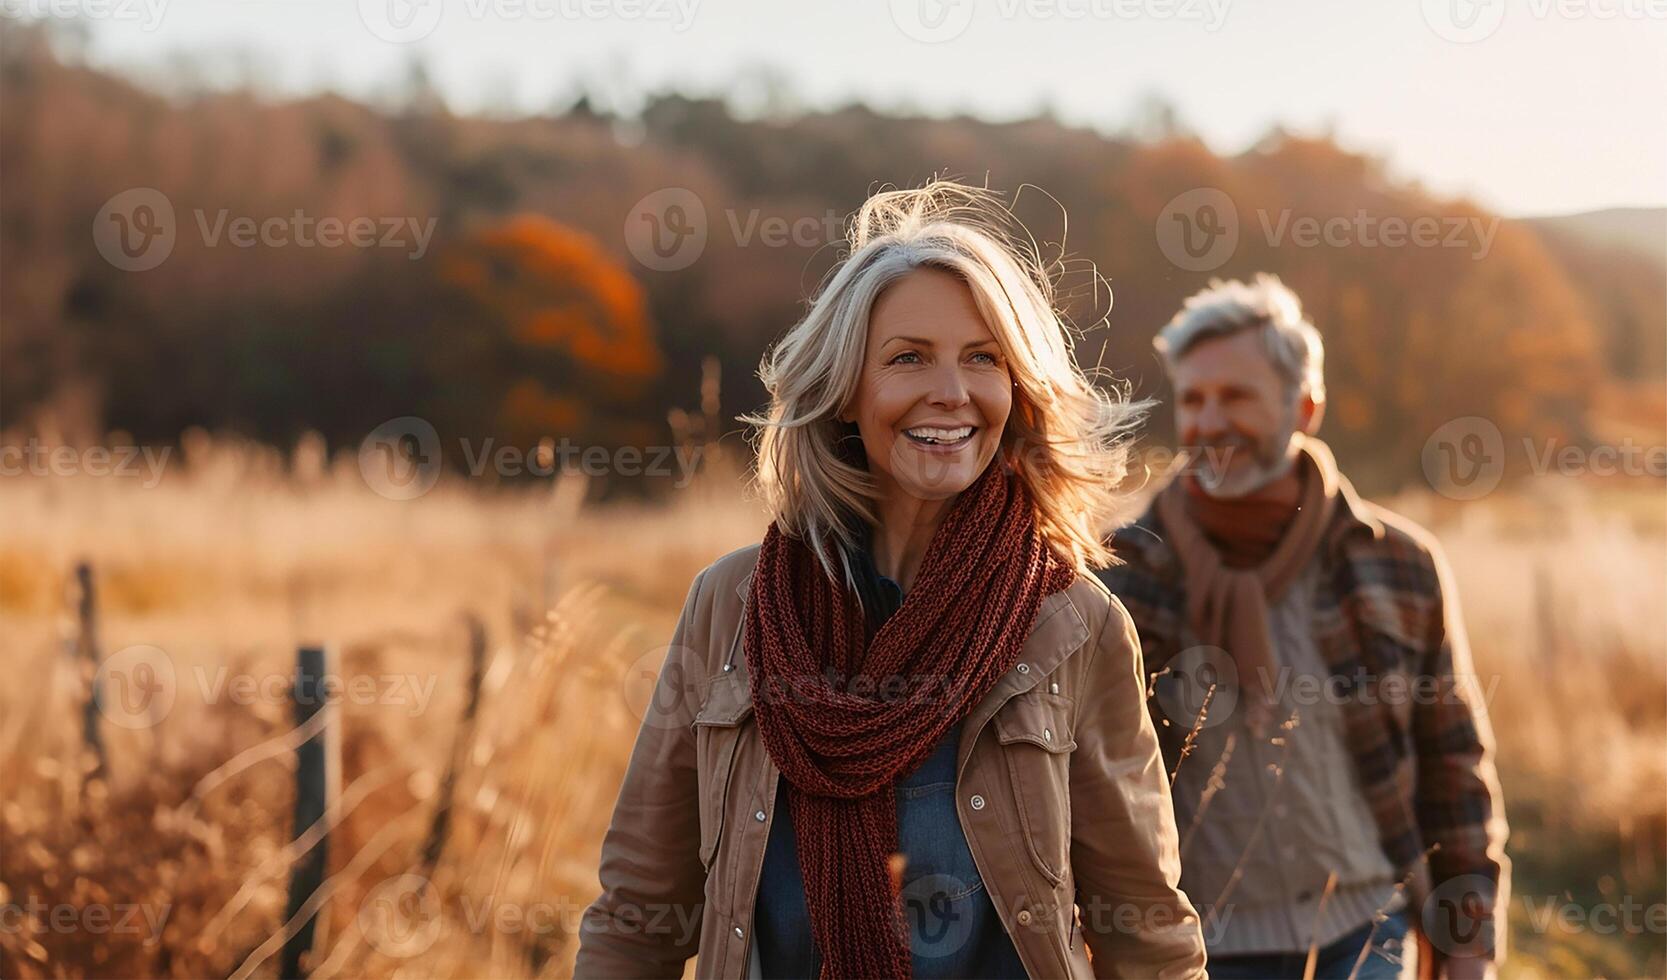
(529, 318)
(556, 306)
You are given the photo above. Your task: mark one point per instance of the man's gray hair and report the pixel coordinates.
(1222, 309)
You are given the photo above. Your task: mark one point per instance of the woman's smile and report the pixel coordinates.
(941, 440)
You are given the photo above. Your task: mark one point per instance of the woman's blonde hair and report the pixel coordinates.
(1066, 438)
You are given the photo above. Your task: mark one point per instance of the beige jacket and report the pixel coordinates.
(1061, 793)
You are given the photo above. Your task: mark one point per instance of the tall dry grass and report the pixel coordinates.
(242, 553)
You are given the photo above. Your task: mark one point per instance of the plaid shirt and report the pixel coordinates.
(1387, 623)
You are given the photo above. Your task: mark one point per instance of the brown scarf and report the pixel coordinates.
(842, 746)
(1228, 606)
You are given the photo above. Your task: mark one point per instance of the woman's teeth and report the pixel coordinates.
(937, 437)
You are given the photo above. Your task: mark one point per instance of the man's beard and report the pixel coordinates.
(1271, 456)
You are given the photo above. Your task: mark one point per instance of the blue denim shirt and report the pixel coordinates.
(954, 930)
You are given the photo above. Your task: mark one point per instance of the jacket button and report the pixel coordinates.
(1023, 668)
(1053, 688)
(977, 802)
(759, 816)
(739, 934)
(1047, 734)
(1024, 917)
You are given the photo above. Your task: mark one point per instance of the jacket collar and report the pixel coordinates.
(1057, 632)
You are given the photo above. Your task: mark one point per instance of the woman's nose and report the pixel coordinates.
(948, 387)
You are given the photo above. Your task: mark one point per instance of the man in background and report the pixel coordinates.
(1334, 782)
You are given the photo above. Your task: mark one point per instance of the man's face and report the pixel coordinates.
(1235, 414)
(935, 391)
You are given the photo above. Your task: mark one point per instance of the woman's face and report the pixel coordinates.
(935, 391)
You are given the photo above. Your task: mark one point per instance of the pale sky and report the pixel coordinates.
(1527, 106)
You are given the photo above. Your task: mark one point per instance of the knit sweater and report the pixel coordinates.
(1290, 812)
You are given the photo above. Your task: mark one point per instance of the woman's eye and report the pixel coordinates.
(988, 357)
(899, 358)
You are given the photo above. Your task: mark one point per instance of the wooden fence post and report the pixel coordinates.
(465, 738)
(87, 653)
(317, 782)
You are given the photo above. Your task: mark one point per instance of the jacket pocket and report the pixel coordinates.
(1035, 733)
(718, 728)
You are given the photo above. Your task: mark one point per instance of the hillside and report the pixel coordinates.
(526, 313)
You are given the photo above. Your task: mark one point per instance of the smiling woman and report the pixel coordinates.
(941, 317)
(905, 735)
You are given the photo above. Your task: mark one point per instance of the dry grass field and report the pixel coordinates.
(176, 863)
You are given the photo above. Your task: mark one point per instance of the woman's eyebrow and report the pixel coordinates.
(924, 342)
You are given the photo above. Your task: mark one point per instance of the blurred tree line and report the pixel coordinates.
(528, 315)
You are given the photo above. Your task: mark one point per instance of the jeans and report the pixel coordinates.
(1336, 962)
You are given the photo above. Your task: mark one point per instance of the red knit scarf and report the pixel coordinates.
(844, 718)
(1245, 530)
